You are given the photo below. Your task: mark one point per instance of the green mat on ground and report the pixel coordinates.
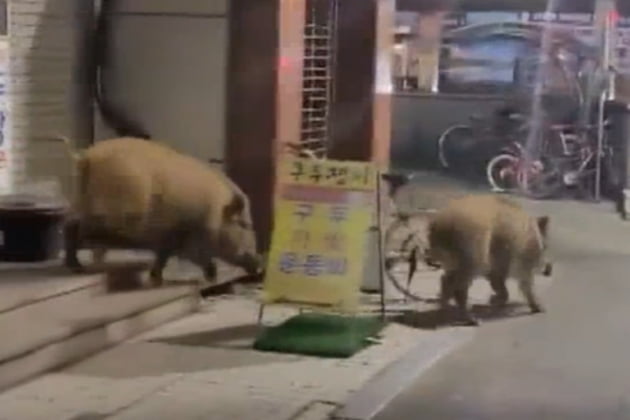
(323, 335)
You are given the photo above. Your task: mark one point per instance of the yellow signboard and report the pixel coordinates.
(324, 210)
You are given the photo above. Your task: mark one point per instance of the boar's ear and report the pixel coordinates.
(233, 210)
(543, 224)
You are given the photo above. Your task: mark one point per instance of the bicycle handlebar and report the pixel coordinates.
(396, 180)
(577, 127)
(300, 151)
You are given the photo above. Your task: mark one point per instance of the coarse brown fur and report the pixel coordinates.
(145, 194)
(491, 236)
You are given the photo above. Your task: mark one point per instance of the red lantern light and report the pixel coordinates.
(284, 62)
(613, 16)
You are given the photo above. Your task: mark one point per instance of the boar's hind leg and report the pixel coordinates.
(497, 277)
(457, 283)
(461, 298)
(501, 260)
(447, 282)
(72, 238)
(526, 285)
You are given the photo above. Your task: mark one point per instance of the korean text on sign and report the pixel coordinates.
(323, 212)
(329, 173)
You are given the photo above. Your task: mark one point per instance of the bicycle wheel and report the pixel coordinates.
(453, 141)
(502, 171)
(540, 181)
(405, 245)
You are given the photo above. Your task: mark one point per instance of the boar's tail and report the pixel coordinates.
(72, 151)
(77, 158)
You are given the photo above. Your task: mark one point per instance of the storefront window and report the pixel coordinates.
(488, 64)
(495, 52)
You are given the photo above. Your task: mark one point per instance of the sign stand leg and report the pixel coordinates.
(261, 312)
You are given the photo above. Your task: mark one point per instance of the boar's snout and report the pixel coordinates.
(251, 263)
(238, 247)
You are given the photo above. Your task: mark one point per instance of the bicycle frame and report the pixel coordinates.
(298, 150)
(585, 157)
(514, 148)
(565, 140)
(586, 151)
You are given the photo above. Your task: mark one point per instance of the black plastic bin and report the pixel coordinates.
(30, 228)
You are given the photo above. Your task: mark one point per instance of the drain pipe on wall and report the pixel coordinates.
(114, 117)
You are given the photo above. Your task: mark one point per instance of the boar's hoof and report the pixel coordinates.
(536, 308)
(468, 321)
(78, 269)
(74, 265)
(210, 273)
(156, 279)
(498, 301)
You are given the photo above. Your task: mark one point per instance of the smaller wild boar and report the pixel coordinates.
(137, 193)
(491, 236)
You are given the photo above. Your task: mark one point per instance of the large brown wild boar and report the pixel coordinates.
(491, 236)
(134, 192)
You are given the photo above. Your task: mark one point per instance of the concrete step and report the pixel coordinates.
(49, 318)
(27, 286)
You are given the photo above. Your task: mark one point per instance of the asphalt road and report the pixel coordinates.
(573, 362)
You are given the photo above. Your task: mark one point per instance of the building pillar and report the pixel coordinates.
(292, 17)
(383, 84)
(265, 90)
(361, 109)
(264, 97)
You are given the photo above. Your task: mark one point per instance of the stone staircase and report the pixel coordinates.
(50, 317)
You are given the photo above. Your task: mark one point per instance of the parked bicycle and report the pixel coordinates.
(301, 151)
(508, 170)
(405, 241)
(568, 162)
(470, 146)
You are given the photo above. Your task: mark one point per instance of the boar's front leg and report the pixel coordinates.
(163, 253)
(210, 272)
(72, 239)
